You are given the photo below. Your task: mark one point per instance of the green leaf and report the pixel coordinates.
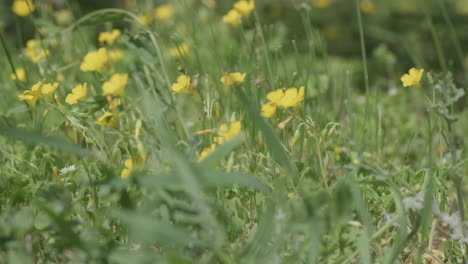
(37, 138)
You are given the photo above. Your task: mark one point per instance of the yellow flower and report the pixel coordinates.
(206, 152)
(115, 103)
(128, 168)
(233, 78)
(31, 96)
(63, 16)
(413, 78)
(78, 94)
(94, 60)
(106, 119)
(227, 133)
(245, 7)
(233, 17)
(115, 85)
(269, 109)
(164, 12)
(34, 50)
(144, 18)
(115, 55)
(109, 37)
(367, 6)
(48, 89)
(23, 7)
(19, 75)
(292, 97)
(182, 85)
(180, 51)
(321, 3)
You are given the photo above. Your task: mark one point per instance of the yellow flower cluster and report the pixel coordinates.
(241, 8)
(34, 50)
(290, 97)
(37, 91)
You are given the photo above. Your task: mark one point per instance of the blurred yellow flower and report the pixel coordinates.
(34, 50)
(63, 16)
(234, 78)
(228, 132)
(182, 85)
(128, 168)
(164, 12)
(367, 6)
(180, 51)
(413, 78)
(115, 55)
(109, 37)
(107, 119)
(321, 3)
(48, 89)
(19, 75)
(115, 85)
(144, 18)
(233, 17)
(206, 152)
(245, 7)
(23, 7)
(94, 60)
(78, 94)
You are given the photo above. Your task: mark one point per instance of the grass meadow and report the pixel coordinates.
(219, 131)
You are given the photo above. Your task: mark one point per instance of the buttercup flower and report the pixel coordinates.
(34, 50)
(78, 94)
(182, 85)
(180, 51)
(233, 17)
(94, 60)
(128, 168)
(48, 89)
(109, 37)
(413, 78)
(164, 12)
(31, 96)
(115, 55)
(106, 119)
(19, 75)
(23, 7)
(206, 152)
(245, 7)
(115, 85)
(228, 132)
(290, 97)
(233, 78)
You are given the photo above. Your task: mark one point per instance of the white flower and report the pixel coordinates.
(68, 169)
